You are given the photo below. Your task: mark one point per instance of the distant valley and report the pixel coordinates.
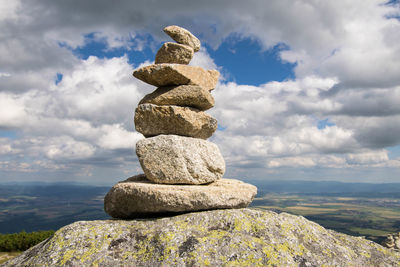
(33, 207)
(370, 210)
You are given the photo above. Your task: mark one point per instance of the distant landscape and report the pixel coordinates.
(361, 209)
(41, 206)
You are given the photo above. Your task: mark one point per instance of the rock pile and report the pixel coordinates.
(182, 171)
(392, 241)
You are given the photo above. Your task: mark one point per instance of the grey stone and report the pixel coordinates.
(138, 197)
(183, 36)
(173, 159)
(152, 120)
(392, 241)
(177, 74)
(174, 53)
(183, 95)
(241, 237)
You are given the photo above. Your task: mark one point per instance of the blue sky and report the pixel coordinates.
(307, 91)
(243, 60)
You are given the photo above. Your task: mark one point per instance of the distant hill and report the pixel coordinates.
(57, 190)
(391, 190)
(42, 206)
(39, 206)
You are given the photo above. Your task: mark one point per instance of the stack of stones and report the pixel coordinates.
(182, 171)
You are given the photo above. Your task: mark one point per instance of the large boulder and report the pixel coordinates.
(183, 36)
(138, 197)
(182, 95)
(173, 159)
(242, 237)
(177, 74)
(174, 53)
(152, 120)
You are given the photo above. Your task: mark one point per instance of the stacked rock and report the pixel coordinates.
(182, 171)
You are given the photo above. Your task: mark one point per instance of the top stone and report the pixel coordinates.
(183, 36)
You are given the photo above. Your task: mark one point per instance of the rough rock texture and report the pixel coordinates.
(174, 53)
(138, 197)
(173, 159)
(392, 241)
(182, 95)
(177, 74)
(242, 237)
(183, 36)
(151, 120)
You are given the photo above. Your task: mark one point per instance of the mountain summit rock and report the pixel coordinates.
(231, 237)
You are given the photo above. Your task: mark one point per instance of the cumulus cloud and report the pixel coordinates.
(276, 125)
(87, 117)
(346, 53)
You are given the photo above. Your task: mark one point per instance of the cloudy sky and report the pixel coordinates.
(309, 89)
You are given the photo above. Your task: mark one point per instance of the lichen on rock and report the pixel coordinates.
(233, 237)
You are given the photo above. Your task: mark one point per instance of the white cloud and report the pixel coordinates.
(5, 147)
(347, 56)
(292, 162)
(370, 157)
(276, 125)
(84, 118)
(4, 74)
(8, 10)
(203, 59)
(12, 111)
(115, 137)
(65, 147)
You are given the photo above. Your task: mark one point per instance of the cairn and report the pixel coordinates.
(392, 241)
(182, 170)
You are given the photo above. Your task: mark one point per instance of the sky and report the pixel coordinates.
(309, 89)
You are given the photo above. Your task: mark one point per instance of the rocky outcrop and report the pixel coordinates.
(152, 120)
(243, 237)
(138, 197)
(173, 159)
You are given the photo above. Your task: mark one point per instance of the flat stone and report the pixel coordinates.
(137, 196)
(173, 159)
(152, 120)
(183, 36)
(174, 53)
(183, 95)
(177, 74)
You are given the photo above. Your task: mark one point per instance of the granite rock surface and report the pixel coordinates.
(183, 36)
(235, 237)
(182, 95)
(174, 53)
(152, 120)
(138, 197)
(177, 74)
(173, 159)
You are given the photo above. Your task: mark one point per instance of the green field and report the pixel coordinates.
(359, 216)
